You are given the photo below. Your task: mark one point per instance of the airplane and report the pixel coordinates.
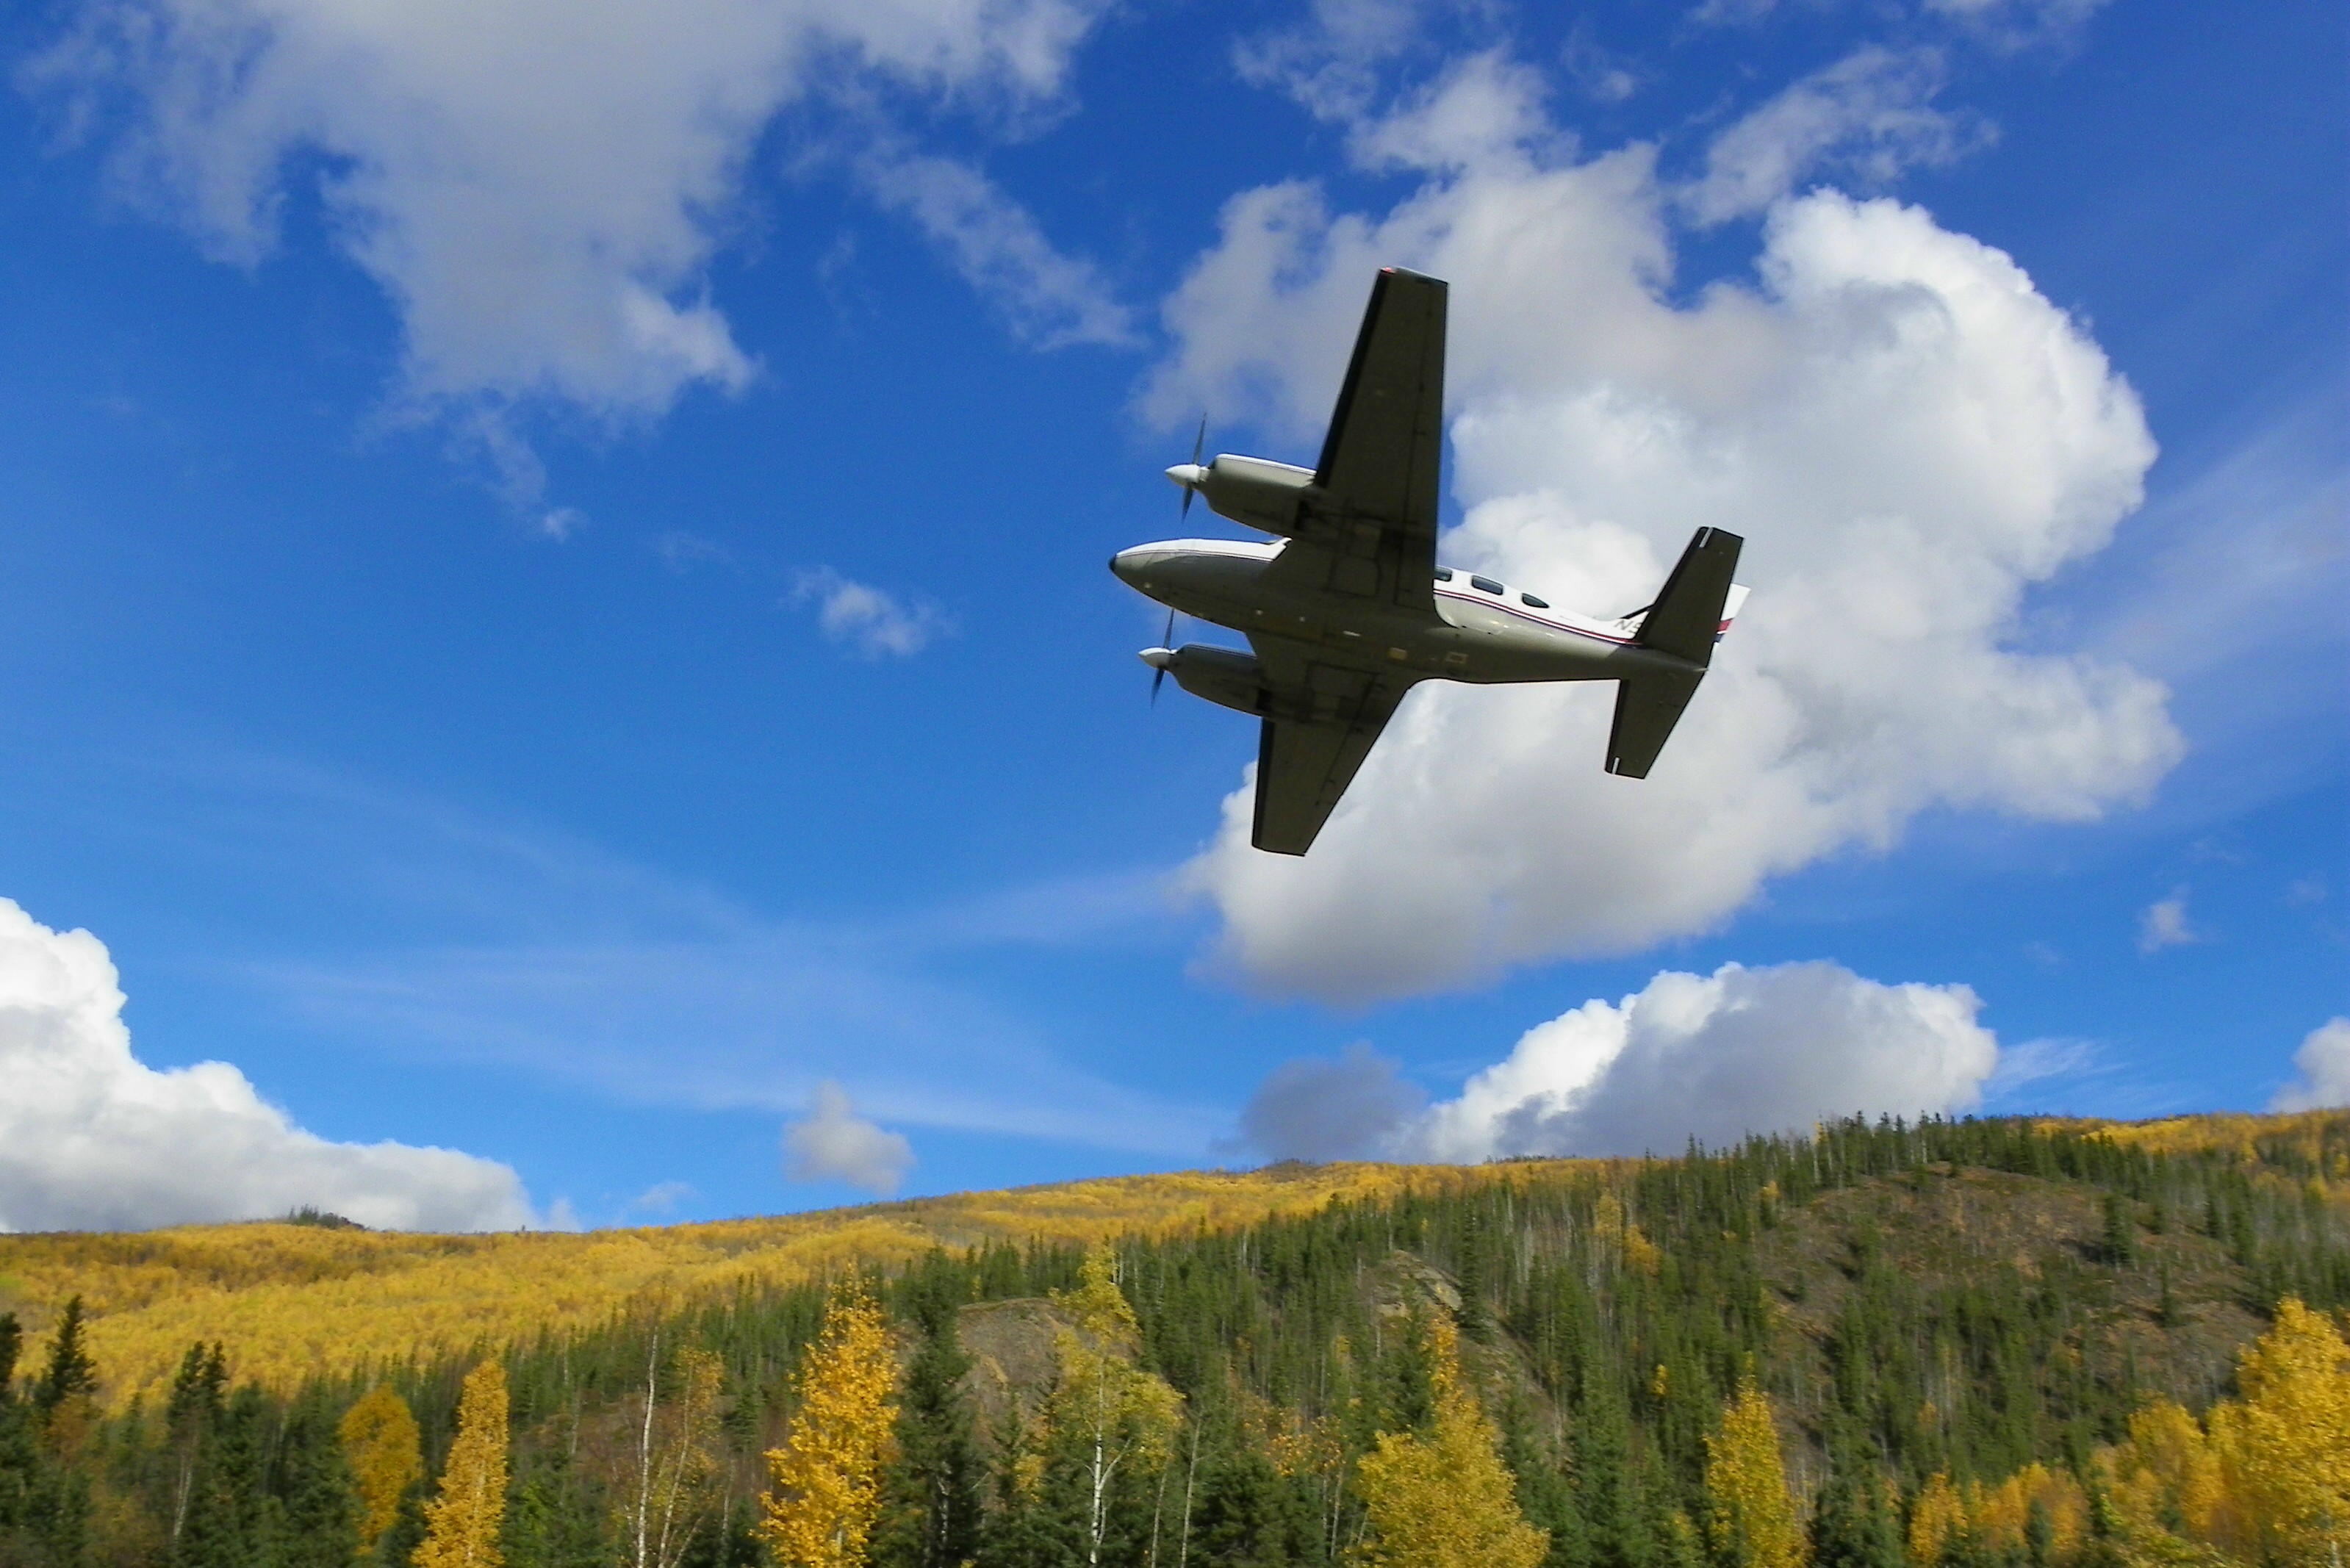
(1349, 609)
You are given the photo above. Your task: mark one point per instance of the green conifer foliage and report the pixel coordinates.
(931, 1494)
(70, 1371)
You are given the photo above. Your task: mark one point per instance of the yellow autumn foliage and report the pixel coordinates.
(2002, 1513)
(381, 1439)
(1445, 1501)
(825, 1483)
(1750, 1519)
(1122, 1416)
(2284, 1450)
(1938, 1515)
(301, 1301)
(2167, 1470)
(462, 1518)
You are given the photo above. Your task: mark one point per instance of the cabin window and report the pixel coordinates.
(1486, 583)
(1533, 603)
(1444, 574)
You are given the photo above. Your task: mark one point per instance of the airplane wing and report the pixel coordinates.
(1322, 721)
(1372, 534)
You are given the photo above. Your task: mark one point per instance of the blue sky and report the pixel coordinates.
(555, 593)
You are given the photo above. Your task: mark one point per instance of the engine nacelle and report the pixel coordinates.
(1255, 491)
(1222, 675)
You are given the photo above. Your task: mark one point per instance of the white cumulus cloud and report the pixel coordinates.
(1908, 433)
(91, 1138)
(1710, 1057)
(873, 621)
(2164, 924)
(833, 1142)
(537, 185)
(2323, 1061)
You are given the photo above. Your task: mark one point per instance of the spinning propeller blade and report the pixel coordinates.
(1198, 444)
(1158, 678)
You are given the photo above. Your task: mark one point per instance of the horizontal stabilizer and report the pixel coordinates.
(1687, 618)
(1647, 709)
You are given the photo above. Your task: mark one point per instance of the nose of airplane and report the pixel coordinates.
(1127, 565)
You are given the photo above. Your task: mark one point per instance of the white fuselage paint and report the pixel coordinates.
(1475, 636)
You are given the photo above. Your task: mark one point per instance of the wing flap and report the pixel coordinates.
(1322, 721)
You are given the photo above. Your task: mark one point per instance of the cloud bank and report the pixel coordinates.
(1710, 1057)
(833, 1142)
(537, 185)
(93, 1139)
(2323, 1061)
(1908, 433)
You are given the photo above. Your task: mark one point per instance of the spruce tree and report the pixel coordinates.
(315, 1488)
(1852, 1527)
(70, 1371)
(931, 1492)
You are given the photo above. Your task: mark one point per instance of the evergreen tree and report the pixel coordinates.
(1246, 1514)
(70, 1371)
(12, 1344)
(316, 1489)
(1545, 1495)
(2120, 1246)
(1852, 1527)
(1608, 1489)
(931, 1501)
(555, 1520)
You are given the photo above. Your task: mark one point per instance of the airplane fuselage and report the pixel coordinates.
(1483, 632)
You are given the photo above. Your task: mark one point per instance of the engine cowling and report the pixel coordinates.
(1254, 491)
(1225, 676)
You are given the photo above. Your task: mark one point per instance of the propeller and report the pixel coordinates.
(1166, 642)
(1191, 475)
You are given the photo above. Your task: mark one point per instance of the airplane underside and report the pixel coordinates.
(1350, 610)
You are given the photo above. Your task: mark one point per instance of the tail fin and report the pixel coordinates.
(1695, 608)
(1692, 609)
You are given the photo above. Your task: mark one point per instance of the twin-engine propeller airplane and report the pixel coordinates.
(1350, 610)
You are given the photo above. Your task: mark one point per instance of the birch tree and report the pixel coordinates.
(1119, 1416)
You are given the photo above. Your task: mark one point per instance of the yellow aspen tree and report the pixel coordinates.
(2285, 1448)
(2167, 1471)
(1750, 1518)
(824, 1485)
(2003, 1520)
(1123, 1416)
(379, 1438)
(462, 1518)
(1445, 1501)
(1938, 1516)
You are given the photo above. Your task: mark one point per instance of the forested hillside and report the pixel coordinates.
(1980, 1341)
